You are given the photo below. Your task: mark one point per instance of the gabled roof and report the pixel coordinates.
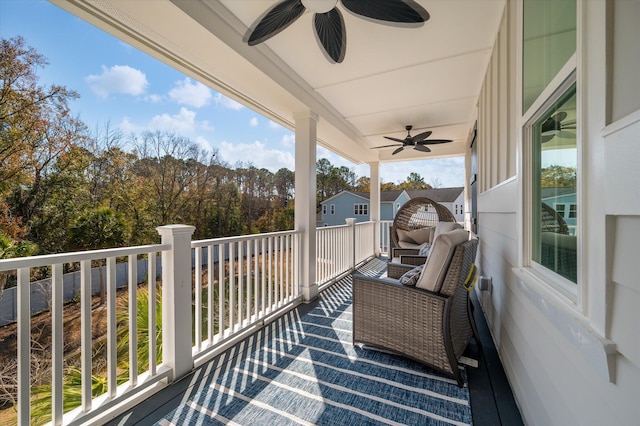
(357, 194)
(385, 196)
(439, 195)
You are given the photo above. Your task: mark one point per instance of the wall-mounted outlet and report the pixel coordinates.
(485, 284)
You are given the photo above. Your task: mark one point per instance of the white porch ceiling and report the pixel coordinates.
(429, 77)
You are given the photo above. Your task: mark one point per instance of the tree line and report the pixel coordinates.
(65, 187)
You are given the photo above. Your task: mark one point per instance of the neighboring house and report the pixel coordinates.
(451, 198)
(347, 204)
(563, 201)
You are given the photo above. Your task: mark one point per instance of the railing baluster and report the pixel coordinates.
(240, 284)
(249, 282)
(232, 288)
(85, 333)
(270, 276)
(151, 274)
(133, 322)
(287, 240)
(57, 350)
(210, 294)
(198, 297)
(263, 275)
(112, 357)
(24, 347)
(256, 277)
(221, 292)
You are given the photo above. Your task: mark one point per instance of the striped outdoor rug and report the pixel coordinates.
(303, 369)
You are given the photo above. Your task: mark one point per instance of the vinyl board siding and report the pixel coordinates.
(495, 123)
(626, 59)
(622, 151)
(590, 398)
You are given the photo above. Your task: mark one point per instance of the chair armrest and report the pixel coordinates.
(396, 270)
(397, 252)
(413, 259)
(391, 285)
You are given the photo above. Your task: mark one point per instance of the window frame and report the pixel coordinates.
(333, 209)
(567, 289)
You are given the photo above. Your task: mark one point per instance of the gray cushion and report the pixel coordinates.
(410, 278)
(435, 268)
(425, 249)
(405, 236)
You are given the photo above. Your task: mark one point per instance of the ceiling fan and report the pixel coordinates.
(418, 141)
(328, 21)
(556, 125)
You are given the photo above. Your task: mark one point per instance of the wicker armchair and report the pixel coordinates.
(416, 213)
(432, 328)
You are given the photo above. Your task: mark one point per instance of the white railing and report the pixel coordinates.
(23, 268)
(340, 248)
(363, 244)
(253, 277)
(385, 236)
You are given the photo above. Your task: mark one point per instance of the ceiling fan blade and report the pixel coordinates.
(275, 20)
(566, 135)
(434, 141)
(421, 148)
(385, 146)
(331, 34)
(421, 136)
(407, 11)
(394, 139)
(397, 150)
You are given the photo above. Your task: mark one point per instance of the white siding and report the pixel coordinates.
(554, 354)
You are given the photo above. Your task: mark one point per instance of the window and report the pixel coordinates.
(461, 208)
(324, 209)
(333, 209)
(456, 209)
(550, 162)
(361, 209)
(554, 174)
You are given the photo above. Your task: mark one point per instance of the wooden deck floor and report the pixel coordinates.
(492, 401)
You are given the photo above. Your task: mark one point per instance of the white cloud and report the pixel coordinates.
(253, 122)
(203, 143)
(448, 171)
(274, 125)
(258, 154)
(154, 98)
(128, 127)
(118, 79)
(227, 103)
(288, 140)
(188, 92)
(183, 122)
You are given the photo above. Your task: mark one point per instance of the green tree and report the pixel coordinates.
(99, 229)
(558, 177)
(10, 248)
(414, 181)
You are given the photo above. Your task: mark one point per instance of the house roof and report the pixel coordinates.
(427, 75)
(439, 195)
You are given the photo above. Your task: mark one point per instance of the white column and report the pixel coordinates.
(176, 299)
(374, 203)
(305, 199)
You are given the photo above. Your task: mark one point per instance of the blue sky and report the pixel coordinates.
(130, 90)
